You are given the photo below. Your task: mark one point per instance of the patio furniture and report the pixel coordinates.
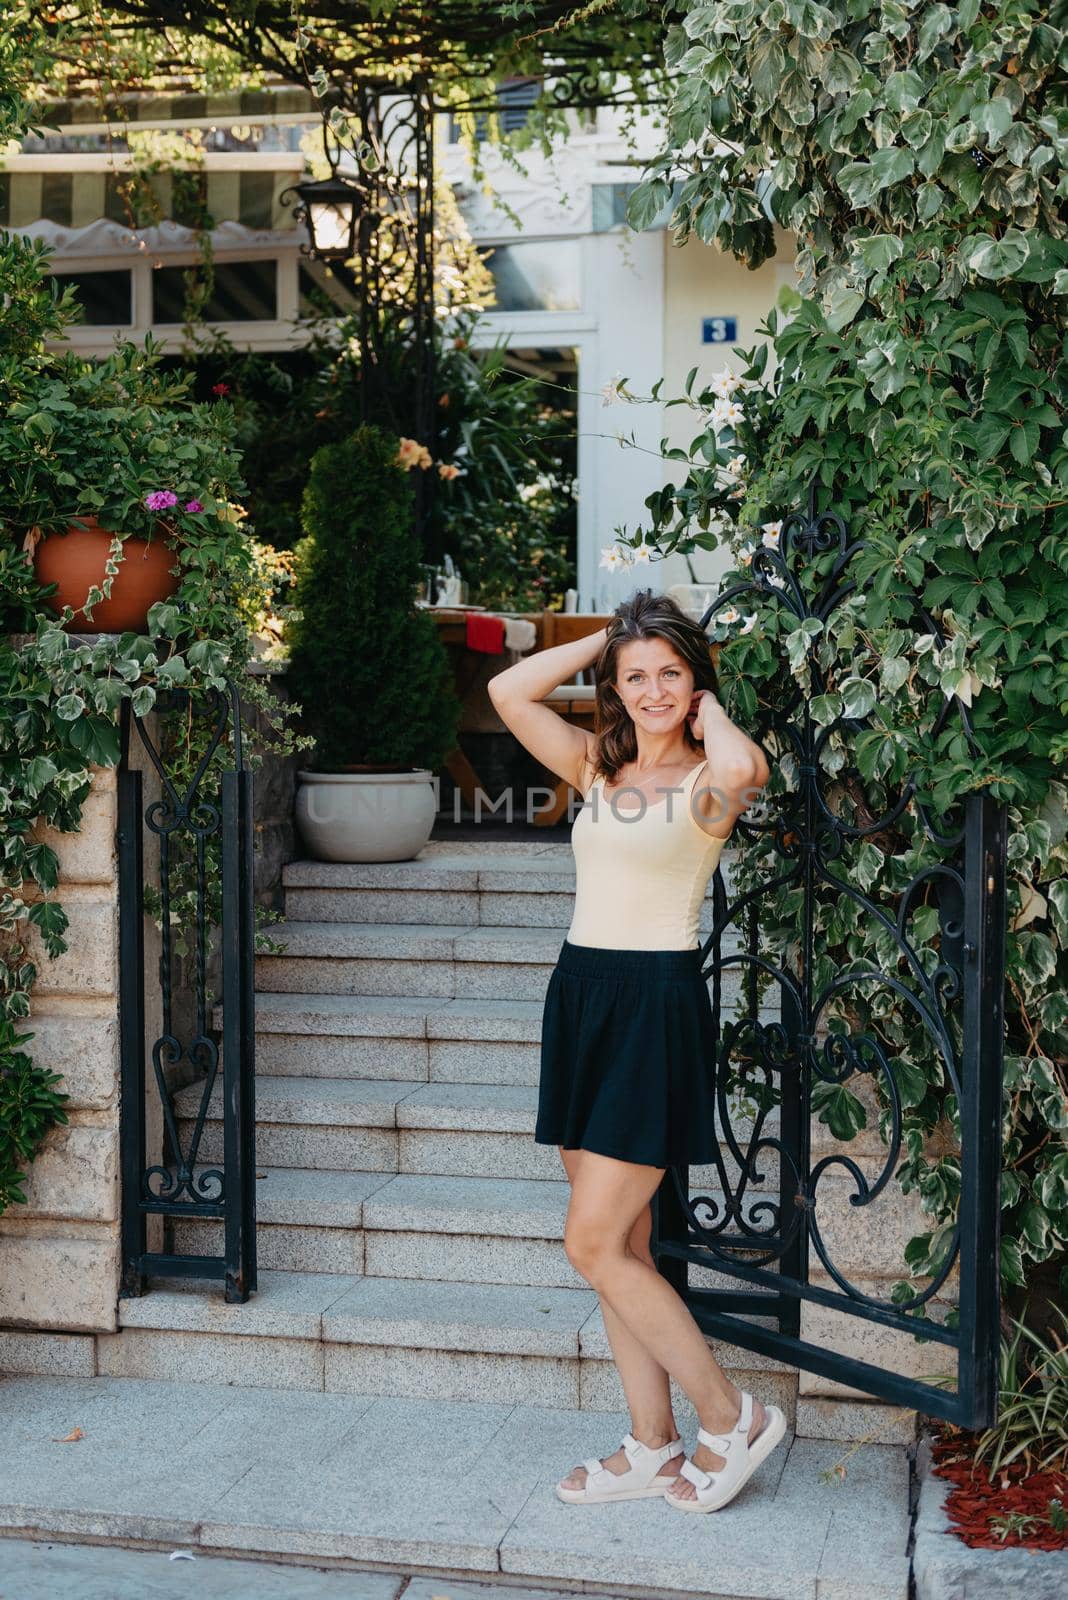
(467, 663)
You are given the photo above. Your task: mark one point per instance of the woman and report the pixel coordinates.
(627, 1035)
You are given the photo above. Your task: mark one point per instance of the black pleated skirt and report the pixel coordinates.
(627, 1056)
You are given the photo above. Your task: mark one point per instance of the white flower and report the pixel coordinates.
(727, 411)
(614, 391)
(771, 532)
(641, 553)
(748, 623)
(745, 555)
(724, 383)
(730, 615)
(735, 466)
(775, 581)
(612, 557)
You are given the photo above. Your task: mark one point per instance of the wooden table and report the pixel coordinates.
(575, 702)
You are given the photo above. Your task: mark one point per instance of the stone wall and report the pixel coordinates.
(60, 1252)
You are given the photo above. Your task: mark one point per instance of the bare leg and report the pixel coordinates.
(607, 1197)
(645, 1383)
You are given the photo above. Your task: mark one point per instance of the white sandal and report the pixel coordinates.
(642, 1480)
(740, 1459)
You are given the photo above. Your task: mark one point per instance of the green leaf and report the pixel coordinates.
(97, 740)
(1011, 1262)
(839, 1109)
(994, 118)
(878, 251)
(70, 706)
(911, 1080)
(892, 165)
(646, 202)
(843, 306)
(995, 258)
(858, 697)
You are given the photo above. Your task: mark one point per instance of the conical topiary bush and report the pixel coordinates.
(369, 669)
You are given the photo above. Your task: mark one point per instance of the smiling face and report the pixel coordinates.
(654, 683)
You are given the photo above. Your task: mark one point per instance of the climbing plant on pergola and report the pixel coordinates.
(380, 71)
(606, 52)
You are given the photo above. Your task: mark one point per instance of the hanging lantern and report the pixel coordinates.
(331, 208)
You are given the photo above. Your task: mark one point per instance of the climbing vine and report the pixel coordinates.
(917, 377)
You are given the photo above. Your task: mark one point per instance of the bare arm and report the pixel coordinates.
(737, 768)
(517, 693)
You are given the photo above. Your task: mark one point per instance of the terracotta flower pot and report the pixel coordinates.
(76, 559)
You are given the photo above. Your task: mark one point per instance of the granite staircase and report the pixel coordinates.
(409, 1229)
(420, 1361)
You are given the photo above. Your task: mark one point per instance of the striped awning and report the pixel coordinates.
(76, 199)
(182, 110)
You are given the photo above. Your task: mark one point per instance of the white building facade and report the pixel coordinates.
(571, 278)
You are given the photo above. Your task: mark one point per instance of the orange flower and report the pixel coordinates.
(413, 454)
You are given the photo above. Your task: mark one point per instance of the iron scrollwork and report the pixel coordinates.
(185, 1056)
(794, 1030)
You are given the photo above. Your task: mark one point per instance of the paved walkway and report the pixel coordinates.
(433, 1486)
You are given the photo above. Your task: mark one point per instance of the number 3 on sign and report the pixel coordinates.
(719, 330)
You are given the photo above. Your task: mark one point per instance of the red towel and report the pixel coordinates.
(485, 633)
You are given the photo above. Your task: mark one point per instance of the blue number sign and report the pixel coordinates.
(719, 330)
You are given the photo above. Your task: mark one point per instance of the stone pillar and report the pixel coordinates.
(60, 1252)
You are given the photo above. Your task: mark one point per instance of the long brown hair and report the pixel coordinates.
(644, 616)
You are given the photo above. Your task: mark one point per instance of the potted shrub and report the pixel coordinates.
(115, 482)
(367, 665)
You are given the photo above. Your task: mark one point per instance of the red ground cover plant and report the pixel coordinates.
(1023, 1508)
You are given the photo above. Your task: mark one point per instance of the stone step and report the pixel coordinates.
(433, 1129)
(470, 1230)
(495, 890)
(299, 1478)
(473, 1230)
(442, 1340)
(416, 959)
(390, 1036)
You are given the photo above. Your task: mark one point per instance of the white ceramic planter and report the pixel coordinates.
(365, 816)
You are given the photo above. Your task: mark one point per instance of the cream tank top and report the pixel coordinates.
(641, 869)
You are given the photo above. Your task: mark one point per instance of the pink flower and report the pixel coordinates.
(161, 500)
(193, 505)
(220, 389)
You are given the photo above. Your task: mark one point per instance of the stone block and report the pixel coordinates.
(479, 1061)
(80, 1041)
(52, 1355)
(88, 856)
(849, 1420)
(485, 1319)
(452, 906)
(49, 1281)
(280, 1248)
(452, 1375)
(75, 1174)
(289, 974)
(308, 1056)
(262, 1363)
(469, 1258)
(89, 966)
(946, 1569)
(867, 1240)
(867, 1341)
(476, 1155)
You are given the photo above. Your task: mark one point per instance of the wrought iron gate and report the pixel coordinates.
(168, 1182)
(765, 1229)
